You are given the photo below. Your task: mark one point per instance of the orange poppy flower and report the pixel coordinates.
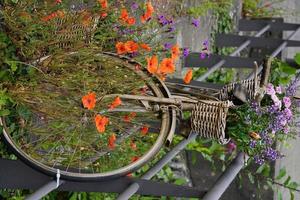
(167, 66)
(111, 141)
(152, 64)
(130, 21)
(128, 118)
(134, 158)
(103, 3)
(145, 46)
(175, 52)
(120, 46)
(144, 130)
(117, 101)
(131, 46)
(124, 15)
(89, 100)
(148, 13)
(101, 123)
(188, 76)
(103, 15)
(133, 145)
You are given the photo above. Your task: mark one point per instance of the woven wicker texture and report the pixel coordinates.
(209, 119)
(226, 93)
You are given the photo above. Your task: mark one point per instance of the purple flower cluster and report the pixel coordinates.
(268, 154)
(168, 45)
(186, 52)
(259, 160)
(256, 108)
(271, 154)
(252, 144)
(164, 21)
(266, 139)
(205, 51)
(292, 88)
(196, 22)
(134, 6)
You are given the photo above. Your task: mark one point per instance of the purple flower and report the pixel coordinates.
(186, 52)
(292, 88)
(134, 6)
(259, 160)
(196, 22)
(273, 109)
(168, 45)
(202, 55)
(288, 113)
(270, 89)
(286, 130)
(271, 154)
(252, 144)
(278, 90)
(171, 29)
(255, 107)
(287, 102)
(206, 43)
(163, 20)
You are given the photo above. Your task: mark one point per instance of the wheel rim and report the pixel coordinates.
(68, 171)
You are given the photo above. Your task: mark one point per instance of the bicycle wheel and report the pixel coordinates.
(50, 129)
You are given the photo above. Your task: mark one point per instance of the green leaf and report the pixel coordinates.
(287, 181)
(13, 65)
(180, 181)
(293, 185)
(297, 58)
(4, 112)
(281, 174)
(264, 170)
(287, 69)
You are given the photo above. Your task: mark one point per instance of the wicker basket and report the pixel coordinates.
(209, 119)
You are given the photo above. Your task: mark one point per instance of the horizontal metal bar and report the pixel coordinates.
(276, 51)
(16, 175)
(257, 24)
(236, 52)
(226, 178)
(194, 61)
(133, 188)
(230, 40)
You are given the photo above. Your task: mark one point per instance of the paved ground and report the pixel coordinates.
(292, 159)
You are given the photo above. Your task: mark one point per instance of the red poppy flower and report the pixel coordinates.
(89, 100)
(101, 123)
(144, 130)
(167, 66)
(117, 101)
(188, 76)
(152, 64)
(111, 141)
(133, 145)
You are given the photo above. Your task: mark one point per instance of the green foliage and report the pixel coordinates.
(260, 8)
(282, 73)
(207, 6)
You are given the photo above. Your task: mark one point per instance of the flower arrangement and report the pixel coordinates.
(261, 126)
